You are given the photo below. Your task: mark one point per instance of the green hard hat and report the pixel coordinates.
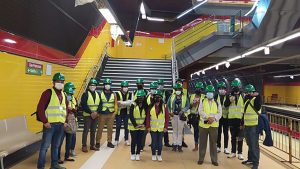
(69, 90)
(70, 84)
(107, 81)
(199, 85)
(179, 80)
(153, 85)
(93, 82)
(158, 92)
(210, 88)
(58, 76)
(124, 83)
(160, 81)
(141, 93)
(250, 88)
(177, 86)
(221, 84)
(235, 83)
(139, 81)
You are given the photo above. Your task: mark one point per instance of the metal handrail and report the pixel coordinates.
(174, 62)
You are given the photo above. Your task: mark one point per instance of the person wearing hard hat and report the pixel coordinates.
(157, 123)
(210, 112)
(223, 123)
(193, 117)
(52, 112)
(178, 105)
(166, 95)
(235, 104)
(252, 110)
(107, 107)
(137, 123)
(153, 88)
(90, 101)
(124, 98)
(139, 86)
(72, 125)
(180, 81)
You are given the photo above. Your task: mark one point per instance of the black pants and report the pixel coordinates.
(136, 141)
(237, 135)
(143, 140)
(166, 137)
(196, 131)
(223, 126)
(89, 125)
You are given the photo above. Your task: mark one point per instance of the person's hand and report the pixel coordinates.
(165, 130)
(65, 125)
(255, 94)
(180, 113)
(232, 98)
(171, 114)
(141, 126)
(47, 125)
(211, 120)
(94, 115)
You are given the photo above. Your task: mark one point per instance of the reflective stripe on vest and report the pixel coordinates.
(250, 116)
(93, 105)
(121, 99)
(236, 111)
(56, 111)
(209, 110)
(194, 109)
(139, 118)
(108, 104)
(157, 123)
(224, 109)
(183, 101)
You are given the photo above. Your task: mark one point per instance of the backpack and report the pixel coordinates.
(72, 124)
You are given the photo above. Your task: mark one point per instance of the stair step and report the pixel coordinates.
(131, 68)
(137, 74)
(145, 60)
(135, 71)
(136, 77)
(138, 65)
(138, 62)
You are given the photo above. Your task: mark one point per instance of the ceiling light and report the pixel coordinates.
(267, 50)
(155, 19)
(235, 58)
(217, 67)
(143, 11)
(10, 41)
(108, 16)
(290, 37)
(253, 51)
(189, 10)
(203, 72)
(227, 64)
(292, 77)
(252, 9)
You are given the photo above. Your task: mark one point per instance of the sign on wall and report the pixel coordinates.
(33, 68)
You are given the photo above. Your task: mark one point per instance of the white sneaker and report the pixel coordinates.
(240, 157)
(127, 143)
(154, 158)
(159, 158)
(72, 153)
(226, 151)
(133, 157)
(116, 143)
(232, 155)
(218, 149)
(137, 157)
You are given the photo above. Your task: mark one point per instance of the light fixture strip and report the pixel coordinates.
(108, 16)
(192, 8)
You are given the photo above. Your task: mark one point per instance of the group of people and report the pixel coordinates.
(208, 111)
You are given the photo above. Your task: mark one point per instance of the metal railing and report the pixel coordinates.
(283, 101)
(285, 134)
(174, 63)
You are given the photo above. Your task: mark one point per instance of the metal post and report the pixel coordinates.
(290, 140)
(1, 162)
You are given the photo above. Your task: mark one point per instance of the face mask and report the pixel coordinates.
(236, 89)
(140, 100)
(222, 92)
(59, 86)
(178, 93)
(152, 91)
(125, 89)
(92, 88)
(198, 92)
(107, 87)
(69, 98)
(157, 100)
(139, 87)
(210, 95)
(160, 87)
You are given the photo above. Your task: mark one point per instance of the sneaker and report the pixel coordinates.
(127, 143)
(200, 162)
(226, 151)
(142, 150)
(72, 153)
(116, 143)
(180, 149)
(60, 161)
(94, 148)
(110, 145)
(69, 159)
(168, 145)
(159, 158)
(154, 158)
(218, 149)
(97, 145)
(57, 167)
(84, 149)
(215, 163)
(132, 157)
(240, 157)
(184, 144)
(174, 148)
(232, 155)
(247, 162)
(137, 157)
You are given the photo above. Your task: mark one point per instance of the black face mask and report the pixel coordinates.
(248, 96)
(140, 100)
(139, 87)
(157, 99)
(198, 92)
(235, 89)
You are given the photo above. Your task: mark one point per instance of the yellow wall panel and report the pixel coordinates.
(287, 94)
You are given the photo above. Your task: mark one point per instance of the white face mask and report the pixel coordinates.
(222, 92)
(59, 86)
(92, 88)
(69, 98)
(125, 89)
(210, 95)
(160, 87)
(152, 91)
(107, 87)
(178, 93)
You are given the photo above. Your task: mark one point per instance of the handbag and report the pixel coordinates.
(72, 124)
(182, 117)
(193, 118)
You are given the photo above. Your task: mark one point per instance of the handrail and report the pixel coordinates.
(92, 73)
(174, 62)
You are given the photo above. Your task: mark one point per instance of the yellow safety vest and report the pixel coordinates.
(224, 109)
(250, 116)
(93, 105)
(209, 110)
(194, 109)
(235, 111)
(121, 99)
(183, 101)
(72, 103)
(108, 104)
(56, 112)
(139, 118)
(149, 99)
(157, 123)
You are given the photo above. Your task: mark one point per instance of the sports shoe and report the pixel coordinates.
(232, 155)
(180, 149)
(218, 149)
(132, 157)
(72, 153)
(247, 162)
(127, 143)
(174, 148)
(154, 158)
(240, 157)
(226, 151)
(116, 143)
(215, 163)
(159, 158)
(57, 167)
(84, 149)
(137, 157)
(184, 144)
(110, 145)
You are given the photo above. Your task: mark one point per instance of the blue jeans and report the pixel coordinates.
(51, 136)
(156, 142)
(68, 144)
(73, 142)
(122, 117)
(252, 136)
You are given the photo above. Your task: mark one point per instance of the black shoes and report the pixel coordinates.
(184, 144)
(200, 162)
(215, 163)
(180, 149)
(110, 145)
(174, 148)
(247, 162)
(168, 145)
